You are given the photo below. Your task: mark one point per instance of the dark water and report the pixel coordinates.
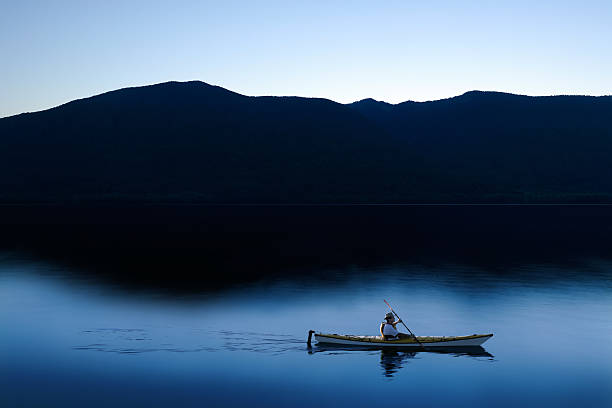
(211, 307)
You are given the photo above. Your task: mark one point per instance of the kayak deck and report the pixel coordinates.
(427, 341)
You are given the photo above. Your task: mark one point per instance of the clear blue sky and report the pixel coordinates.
(56, 51)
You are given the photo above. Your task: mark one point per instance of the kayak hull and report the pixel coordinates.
(377, 341)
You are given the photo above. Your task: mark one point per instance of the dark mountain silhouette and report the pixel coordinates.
(533, 148)
(193, 142)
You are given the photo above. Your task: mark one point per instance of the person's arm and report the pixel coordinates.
(394, 326)
(382, 325)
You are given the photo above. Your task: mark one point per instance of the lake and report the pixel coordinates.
(200, 306)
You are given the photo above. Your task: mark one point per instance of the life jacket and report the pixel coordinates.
(387, 336)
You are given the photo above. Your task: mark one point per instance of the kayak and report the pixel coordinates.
(426, 341)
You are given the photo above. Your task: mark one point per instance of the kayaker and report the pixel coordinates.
(388, 330)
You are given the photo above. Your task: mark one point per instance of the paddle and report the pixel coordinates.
(415, 337)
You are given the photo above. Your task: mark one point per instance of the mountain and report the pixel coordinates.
(193, 142)
(534, 148)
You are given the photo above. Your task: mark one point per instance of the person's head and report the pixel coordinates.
(389, 317)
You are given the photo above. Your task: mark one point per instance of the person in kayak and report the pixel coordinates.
(388, 329)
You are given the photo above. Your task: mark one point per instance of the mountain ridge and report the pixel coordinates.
(195, 142)
(222, 89)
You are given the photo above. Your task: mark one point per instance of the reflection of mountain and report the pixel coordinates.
(211, 247)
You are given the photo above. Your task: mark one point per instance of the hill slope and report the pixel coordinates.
(551, 148)
(193, 142)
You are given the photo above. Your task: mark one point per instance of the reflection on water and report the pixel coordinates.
(130, 321)
(195, 249)
(78, 334)
(392, 361)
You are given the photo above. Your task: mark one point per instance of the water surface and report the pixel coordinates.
(73, 337)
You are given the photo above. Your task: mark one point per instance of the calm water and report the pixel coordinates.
(71, 338)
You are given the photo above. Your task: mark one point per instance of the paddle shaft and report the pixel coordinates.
(410, 331)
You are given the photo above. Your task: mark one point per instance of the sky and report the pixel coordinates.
(52, 52)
